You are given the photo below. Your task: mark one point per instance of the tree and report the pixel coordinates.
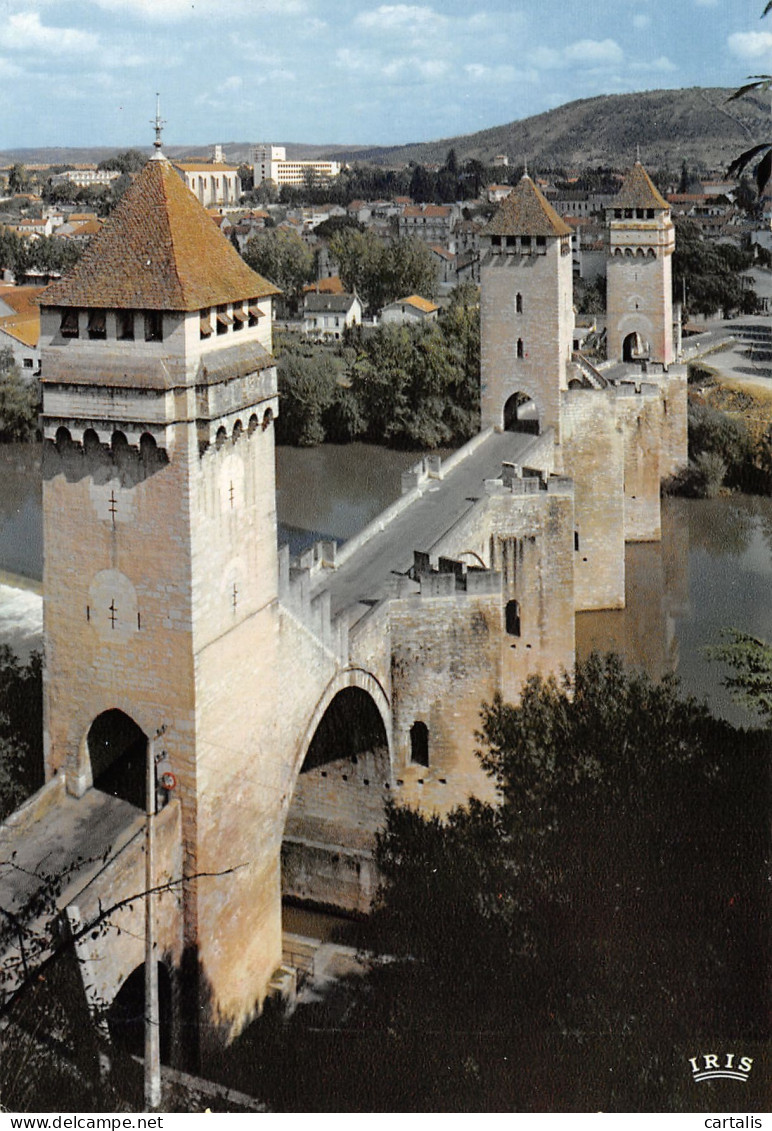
(613, 890)
(750, 661)
(21, 728)
(282, 257)
(19, 401)
(128, 161)
(18, 179)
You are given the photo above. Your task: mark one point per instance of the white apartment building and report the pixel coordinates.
(85, 178)
(269, 163)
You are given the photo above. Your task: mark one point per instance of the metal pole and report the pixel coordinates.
(152, 1026)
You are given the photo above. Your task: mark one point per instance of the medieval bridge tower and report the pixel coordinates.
(640, 245)
(161, 568)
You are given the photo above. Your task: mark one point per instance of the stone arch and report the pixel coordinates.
(126, 1014)
(221, 437)
(267, 418)
(521, 414)
(116, 748)
(238, 428)
(63, 439)
(253, 423)
(351, 677)
(341, 780)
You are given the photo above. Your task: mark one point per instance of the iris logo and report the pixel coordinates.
(712, 1069)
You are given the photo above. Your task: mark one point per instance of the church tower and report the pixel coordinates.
(160, 613)
(526, 312)
(640, 243)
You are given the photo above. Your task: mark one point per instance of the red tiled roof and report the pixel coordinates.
(638, 191)
(159, 250)
(526, 212)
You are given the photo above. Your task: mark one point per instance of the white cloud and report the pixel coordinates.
(170, 11)
(24, 32)
(504, 73)
(641, 21)
(660, 65)
(596, 52)
(391, 17)
(233, 82)
(751, 44)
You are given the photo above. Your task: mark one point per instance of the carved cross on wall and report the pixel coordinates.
(235, 596)
(113, 508)
(231, 493)
(113, 613)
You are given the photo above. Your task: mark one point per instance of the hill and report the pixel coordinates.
(696, 125)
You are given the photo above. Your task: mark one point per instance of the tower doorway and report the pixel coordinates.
(521, 414)
(117, 748)
(632, 347)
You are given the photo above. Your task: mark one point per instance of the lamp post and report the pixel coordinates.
(152, 1020)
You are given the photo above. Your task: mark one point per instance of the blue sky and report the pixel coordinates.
(85, 72)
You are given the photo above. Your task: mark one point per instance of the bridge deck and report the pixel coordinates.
(363, 578)
(63, 850)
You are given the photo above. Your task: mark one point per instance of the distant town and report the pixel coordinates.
(49, 213)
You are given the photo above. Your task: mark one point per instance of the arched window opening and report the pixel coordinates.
(252, 424)
(90, 441)
(520, 348)
(419, 744)
(63, 440)
(267, 418)
(238, 428)
(521, 414)
(518, 304)
(126, 1015)
(512, 618)
(220, 438)
(117, 748)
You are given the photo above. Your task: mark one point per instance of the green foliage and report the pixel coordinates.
(19, 401)
(381, 272)
(750, 661)
(21, 728)
(712, 273)
(128, 161)
(408, 387)
(282, 257)
(709, 474)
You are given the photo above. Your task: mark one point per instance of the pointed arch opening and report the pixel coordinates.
(117, 749)
(521, 414)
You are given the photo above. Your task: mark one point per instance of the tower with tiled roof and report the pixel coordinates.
(161, 607)
(526, 312)
(640, 243)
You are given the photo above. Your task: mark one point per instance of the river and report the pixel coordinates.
(712, 570)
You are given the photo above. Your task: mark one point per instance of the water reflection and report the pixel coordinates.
(712, 571)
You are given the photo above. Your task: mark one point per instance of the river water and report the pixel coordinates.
(712, 570)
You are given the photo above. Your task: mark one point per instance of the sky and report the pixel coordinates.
(85, 72)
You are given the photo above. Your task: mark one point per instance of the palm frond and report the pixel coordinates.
(759, 82)
(767, 9)
(745, 158)
(764, 169)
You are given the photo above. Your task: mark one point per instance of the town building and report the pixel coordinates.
(211, 183)
(269, 163)
(326, 315)
(410, 311)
